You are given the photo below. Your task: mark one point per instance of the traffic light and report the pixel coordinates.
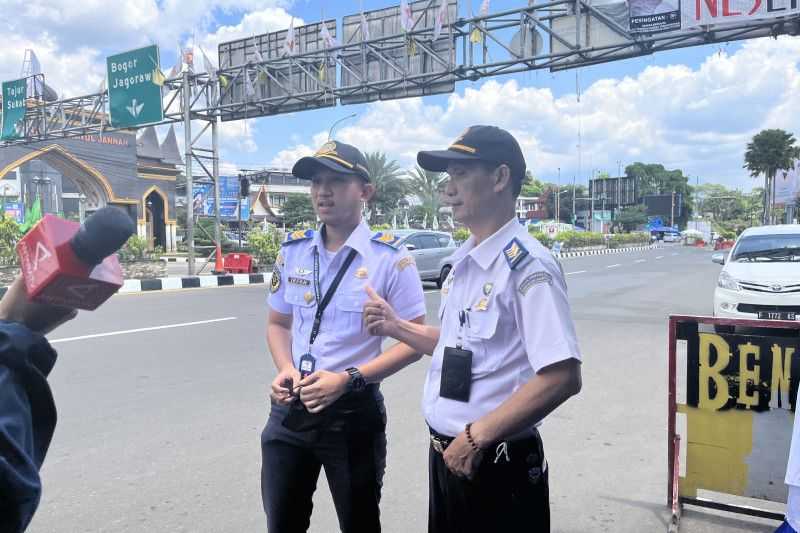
(244, 187)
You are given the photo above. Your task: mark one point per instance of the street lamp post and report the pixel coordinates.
(333, 126)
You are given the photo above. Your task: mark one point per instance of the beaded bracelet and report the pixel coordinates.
(469, 438)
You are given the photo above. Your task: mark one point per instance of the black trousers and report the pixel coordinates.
(509, 492)
(353, 454)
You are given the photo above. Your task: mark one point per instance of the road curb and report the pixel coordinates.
(190, 282)
(604, 251)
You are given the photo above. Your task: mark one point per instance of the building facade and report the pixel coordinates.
(74, 177)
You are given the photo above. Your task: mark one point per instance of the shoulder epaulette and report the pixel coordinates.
(515, 253)
(387, 238)
(299, 235)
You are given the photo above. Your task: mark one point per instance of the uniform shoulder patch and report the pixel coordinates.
(297, 236)
(514, 253)
(387, 238)
(536, 278)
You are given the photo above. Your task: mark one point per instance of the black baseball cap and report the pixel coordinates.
(479, 143)
(335, 156)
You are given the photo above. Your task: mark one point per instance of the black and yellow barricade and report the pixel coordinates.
(731, 427)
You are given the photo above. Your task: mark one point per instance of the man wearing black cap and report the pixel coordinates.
(505, 355)
(327, 410)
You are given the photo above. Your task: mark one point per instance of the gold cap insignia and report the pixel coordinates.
(327, 148)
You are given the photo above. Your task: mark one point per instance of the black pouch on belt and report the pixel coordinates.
(299, 419)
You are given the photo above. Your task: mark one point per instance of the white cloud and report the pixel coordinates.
(72, 39)
(119, 25)
(238, 136)
(287, 158)
(699, 120)
(253, 23)
(69, 74)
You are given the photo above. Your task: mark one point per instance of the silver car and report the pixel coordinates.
(431, 251)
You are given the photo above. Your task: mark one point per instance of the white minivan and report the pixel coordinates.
(760, 277)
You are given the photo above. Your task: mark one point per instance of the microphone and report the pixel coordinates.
(66, 264)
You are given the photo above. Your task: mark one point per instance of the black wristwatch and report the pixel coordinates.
(357, 381)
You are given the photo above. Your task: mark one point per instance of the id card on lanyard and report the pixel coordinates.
(307, 361)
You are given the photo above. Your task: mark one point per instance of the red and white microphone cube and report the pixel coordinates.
(53, 274)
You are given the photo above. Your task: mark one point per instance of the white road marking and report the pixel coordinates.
(640, 260)
(576, 272)
(139, 330)
(613, 266)
(660, 257)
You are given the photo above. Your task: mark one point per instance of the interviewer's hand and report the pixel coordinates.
(380, 318)
(282, 388)
(43, 318)
(322, 388)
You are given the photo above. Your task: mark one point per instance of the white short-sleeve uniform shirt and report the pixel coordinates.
(343, 339)
(518, 322)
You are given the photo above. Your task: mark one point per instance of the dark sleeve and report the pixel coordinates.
(27, 421)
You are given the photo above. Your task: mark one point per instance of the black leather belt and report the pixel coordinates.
(439, 442)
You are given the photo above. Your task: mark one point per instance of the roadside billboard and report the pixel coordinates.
(696, 13)
(203, 203)
(787, 185)
(650, 16)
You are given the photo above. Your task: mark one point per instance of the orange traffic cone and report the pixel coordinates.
(219, 268)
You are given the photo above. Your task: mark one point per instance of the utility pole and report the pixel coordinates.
(215, 171)
(592, 184)
(558, 197)
(187, 131)
(619, 186)
(574, 181)
(672, 212)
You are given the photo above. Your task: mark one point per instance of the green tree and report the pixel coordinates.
(265, 245)
(769, 151)
(425, 185)
(653, 178)
(532, 187)
(298, 210)
(390, 188)
(10, 233)
(631, 218)
(565, 209)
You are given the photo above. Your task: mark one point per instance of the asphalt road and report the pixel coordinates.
(159, 428)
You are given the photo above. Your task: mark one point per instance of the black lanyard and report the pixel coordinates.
(323, 301)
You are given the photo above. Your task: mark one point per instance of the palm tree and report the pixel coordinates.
(769, 151)
(425, 185)
(390, 188)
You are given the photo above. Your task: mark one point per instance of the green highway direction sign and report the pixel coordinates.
(14, 96)
(134, 98)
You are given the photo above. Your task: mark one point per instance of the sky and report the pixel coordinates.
(694, 109)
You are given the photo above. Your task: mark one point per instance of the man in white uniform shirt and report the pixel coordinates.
(505, 355)
(327, 410)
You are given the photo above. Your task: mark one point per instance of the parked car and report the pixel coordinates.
(431, 251)
(760, 278)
